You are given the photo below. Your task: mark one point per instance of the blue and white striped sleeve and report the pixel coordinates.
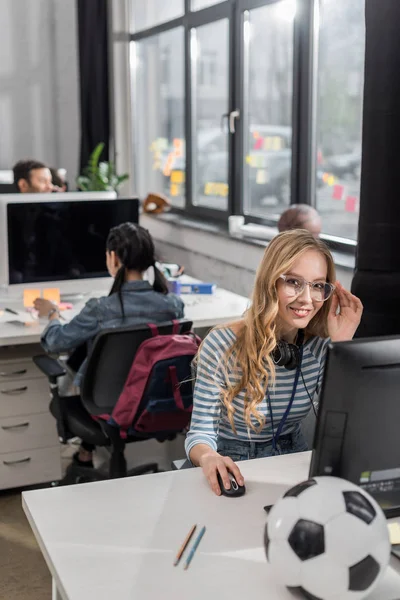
(206, 397)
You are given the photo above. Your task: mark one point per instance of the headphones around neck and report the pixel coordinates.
(288, 355)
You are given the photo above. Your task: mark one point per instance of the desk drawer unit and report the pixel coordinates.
(29, 467)
(19, 371)
(24, 397)
(27, 432)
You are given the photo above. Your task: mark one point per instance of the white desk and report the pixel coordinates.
(118, 539)
(204, 310)
(29, 446)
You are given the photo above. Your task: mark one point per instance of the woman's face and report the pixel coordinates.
(295, 312)
(112, 262)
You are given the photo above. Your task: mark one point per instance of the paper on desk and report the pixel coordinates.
(52, 294)
(394, 532)
(30, 296)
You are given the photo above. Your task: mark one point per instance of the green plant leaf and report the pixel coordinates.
(99, 176)
(95, 157)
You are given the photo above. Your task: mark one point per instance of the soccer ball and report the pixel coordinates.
(328, 539)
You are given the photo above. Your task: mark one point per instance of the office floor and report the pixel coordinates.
(23, 572)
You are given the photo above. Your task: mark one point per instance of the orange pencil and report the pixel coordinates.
(184, 545)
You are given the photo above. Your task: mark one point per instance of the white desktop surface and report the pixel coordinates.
(204, 310)
(119, 538)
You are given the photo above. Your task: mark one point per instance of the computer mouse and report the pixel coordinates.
(235, 491)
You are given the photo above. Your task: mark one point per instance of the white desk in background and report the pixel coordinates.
(29, 446)
(204, 310)
(119, 538)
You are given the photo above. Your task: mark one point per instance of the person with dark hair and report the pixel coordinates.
(32, 177)
(59, 183)
(300, 216)
(131, 301)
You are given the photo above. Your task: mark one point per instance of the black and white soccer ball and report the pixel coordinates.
(328, 539)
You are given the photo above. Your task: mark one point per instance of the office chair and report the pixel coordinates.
(109, 363)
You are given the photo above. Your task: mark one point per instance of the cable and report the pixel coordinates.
(308, 394)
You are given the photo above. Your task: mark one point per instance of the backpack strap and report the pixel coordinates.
(153, 328)
(175, 327)
(175, 388)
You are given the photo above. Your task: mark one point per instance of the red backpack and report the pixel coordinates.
(158, 392)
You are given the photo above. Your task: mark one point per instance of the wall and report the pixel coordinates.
(216, 258)
(39, 101)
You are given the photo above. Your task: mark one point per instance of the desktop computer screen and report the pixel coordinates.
(357, 433)
(62, 240)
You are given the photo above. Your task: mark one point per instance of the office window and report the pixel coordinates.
(210, 64)
(158, 107)
(148, 13)
(267, 160)
(340, 106)
(199, 4)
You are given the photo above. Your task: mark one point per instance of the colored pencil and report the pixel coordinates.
(184, 545)
(194, 548)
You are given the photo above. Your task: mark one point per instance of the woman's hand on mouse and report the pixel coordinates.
(213, 463)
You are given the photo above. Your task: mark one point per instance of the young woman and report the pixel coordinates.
(246, 404)
(131, 301)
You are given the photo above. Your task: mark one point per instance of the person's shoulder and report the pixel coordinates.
(219, 340)
(174, 299)
(317, 346)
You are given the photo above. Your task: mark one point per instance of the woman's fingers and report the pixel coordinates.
(213, 481)
(234, 469)
(223, 471)
(334, 304)
(347, 299)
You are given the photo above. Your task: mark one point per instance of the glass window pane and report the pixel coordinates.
(158, 106)
(340, 105)
(268, 94)
(210, 60)
(148, 13)
(199, 4)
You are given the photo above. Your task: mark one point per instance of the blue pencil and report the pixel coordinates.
(194, 548)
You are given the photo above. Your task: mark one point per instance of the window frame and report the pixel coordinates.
(304, 108)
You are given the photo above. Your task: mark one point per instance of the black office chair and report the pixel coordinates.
(109, 363)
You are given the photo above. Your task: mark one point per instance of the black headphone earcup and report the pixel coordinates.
(286, 355)
(294, 361)
(281, 354)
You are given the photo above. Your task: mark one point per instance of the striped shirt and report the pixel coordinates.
(209, 418)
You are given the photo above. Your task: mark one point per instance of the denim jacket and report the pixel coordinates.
(141, 305)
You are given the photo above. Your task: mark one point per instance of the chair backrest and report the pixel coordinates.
(110, 361)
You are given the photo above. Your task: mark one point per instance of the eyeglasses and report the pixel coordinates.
(319, 290)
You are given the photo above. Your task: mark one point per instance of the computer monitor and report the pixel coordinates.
(58, 237)
(358, 426)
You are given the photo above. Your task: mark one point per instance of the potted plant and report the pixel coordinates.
(99, 176)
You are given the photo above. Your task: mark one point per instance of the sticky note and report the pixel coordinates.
(338, 191)
(262, 176)
(394, 532)
(351, 202)
(174, 189)
(52, 294)
(177, 177)
(30, 295)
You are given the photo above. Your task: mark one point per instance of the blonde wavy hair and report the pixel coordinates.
(248, 364)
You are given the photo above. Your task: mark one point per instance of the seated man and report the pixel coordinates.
(300, 216)
(59, 183)
(32, 177)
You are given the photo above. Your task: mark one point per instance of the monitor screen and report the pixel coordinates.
(358, 419)
(56, 241)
